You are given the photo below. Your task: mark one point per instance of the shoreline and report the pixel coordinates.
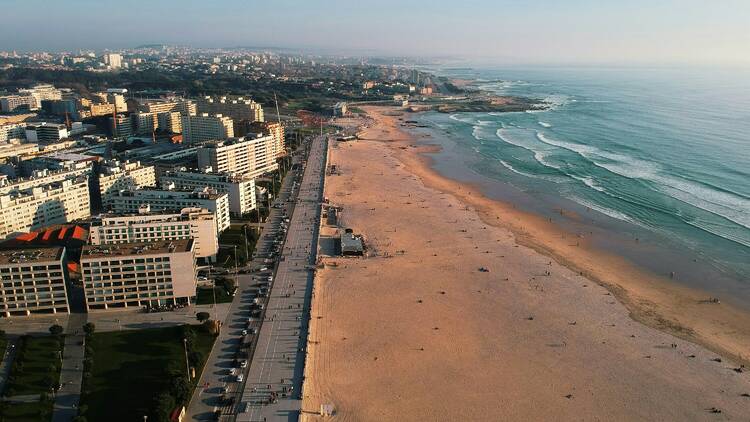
(418, 330)
(651, 299)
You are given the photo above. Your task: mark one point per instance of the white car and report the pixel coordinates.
(233, 371)
(240, 378)
(243, 364)
(244, 332)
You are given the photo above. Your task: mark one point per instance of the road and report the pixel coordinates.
(71, 372)
(273, 385)
(218, 388)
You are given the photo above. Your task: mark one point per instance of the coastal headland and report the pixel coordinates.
(466, 308)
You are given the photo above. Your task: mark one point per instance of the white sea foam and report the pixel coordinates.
(544, 124)
(514, 170)
(606, 211)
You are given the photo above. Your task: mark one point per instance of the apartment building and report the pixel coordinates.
(9, 131)
(10, 103)
(138, 274)
(105, 109)
(170, 121)
(144, 123)
(115, 176)
(42, 92)
(33, 281)
(190, 223)
(163, 199)
(113, 60)
(58, 202)
(241, 189)
(202, 128)
(184, 107)
(121, 126)
(236, 108)
(249, 157)
(275, 129)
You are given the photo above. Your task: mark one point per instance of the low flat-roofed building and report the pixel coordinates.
(351, 245)
(138, 274)
(33, 281)
(46, 132)
(190, 223)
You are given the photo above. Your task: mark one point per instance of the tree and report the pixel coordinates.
(89, 328)
(202, 316)
(163, 405)
(56, 330)
(180, 388)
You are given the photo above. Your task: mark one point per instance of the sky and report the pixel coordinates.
(513, 31)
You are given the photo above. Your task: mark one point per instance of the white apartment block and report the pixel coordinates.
(248, 157)
(190, 223)
(138, 274)
(236, 108)
(153, 199)
(113, 60)
(46, 132)
(44, 177)
(9, 131)
(33, 281)
(206, 128)
(116, 176)
(44, 205)
(241, 190)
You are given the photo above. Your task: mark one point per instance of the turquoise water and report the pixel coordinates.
(661, 155)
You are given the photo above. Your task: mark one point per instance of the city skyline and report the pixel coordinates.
(510, 31)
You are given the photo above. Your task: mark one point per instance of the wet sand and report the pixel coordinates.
(415, 331)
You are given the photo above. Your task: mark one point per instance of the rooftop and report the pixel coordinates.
(30, 255)
(140, 248)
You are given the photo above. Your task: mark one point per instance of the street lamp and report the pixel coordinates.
(187, 363)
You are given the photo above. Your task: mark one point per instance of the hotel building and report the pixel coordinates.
(138, 274)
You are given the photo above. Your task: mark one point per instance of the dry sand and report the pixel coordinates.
(415, 331)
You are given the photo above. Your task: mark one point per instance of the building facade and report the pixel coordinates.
(190, 223)
(138, 274)
(241, 190)
(152, 199)
(46, 132)
(33, 281)
(115, 176)
(248, 157)
(44, 205)
(206, 128)
(236, 108)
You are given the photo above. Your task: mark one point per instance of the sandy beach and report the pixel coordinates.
(553, 330)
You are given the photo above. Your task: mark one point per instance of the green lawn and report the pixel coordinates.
(36, 367)
(132, 368)
(205, 297)
(26, 412)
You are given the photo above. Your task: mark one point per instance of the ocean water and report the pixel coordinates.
(658, 155)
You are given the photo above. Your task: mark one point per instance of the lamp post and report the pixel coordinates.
(187, 363)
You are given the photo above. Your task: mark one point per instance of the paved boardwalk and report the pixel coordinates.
(71, 373)
(275, 379)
